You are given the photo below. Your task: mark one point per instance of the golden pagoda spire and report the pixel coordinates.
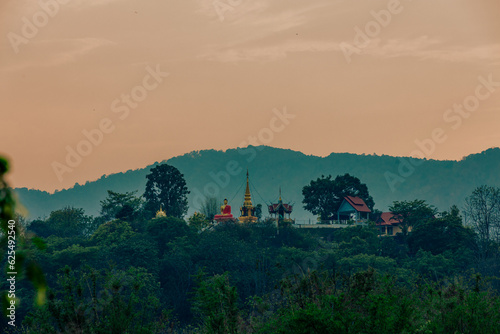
(248, 197)
(280, 194)
(247, 210)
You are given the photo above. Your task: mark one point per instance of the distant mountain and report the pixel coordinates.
(222, 173)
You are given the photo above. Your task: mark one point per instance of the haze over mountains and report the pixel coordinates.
(222, 173)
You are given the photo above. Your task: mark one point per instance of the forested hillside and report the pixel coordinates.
(441, 183)
(136, 269)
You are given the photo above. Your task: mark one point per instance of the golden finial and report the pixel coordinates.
(160, 213)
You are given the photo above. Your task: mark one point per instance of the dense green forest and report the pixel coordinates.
(440, 183)
(129, 270)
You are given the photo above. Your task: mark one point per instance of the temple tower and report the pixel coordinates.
(247, 210)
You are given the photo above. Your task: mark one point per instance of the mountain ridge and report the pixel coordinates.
(221, 173)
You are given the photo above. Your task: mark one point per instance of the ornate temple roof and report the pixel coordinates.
(274, 208)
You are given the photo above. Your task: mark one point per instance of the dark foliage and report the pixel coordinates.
(166, 188)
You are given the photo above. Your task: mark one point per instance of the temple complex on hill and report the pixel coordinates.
(352, 211)
(280, 210)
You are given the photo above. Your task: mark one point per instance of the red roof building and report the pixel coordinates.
(387, 224)
(385, 219)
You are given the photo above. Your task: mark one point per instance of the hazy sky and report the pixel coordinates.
(360, 76)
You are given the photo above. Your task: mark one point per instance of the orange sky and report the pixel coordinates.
(347, 82)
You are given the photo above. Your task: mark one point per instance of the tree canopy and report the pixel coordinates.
(324, 196)
(210, 207)
(166, 187)
(163, 275)
(483, 213)
(446, 233)
(67, 222)
(121, 206)
(409, 214)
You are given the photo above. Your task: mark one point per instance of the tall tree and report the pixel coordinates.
(166, 187)
(482, 209)
(210, 207)
(320, 197)
(324, 196)
(409, 214)
(121, 206)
